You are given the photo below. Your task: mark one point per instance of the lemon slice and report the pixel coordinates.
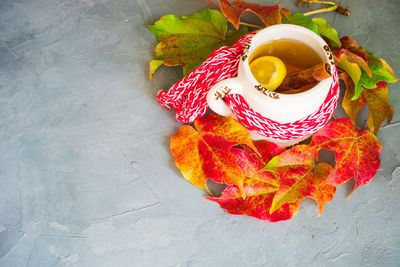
(269, 71)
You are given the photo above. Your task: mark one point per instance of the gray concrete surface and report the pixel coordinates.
(86, 177)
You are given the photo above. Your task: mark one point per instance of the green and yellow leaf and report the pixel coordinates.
(190, 40)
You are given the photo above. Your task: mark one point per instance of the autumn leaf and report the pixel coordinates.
(364, 68)
(204, 153)
(380, 70)
(267, 150)
(356, 152)
(377, 100)
(270, 15)
(379, 108)
(259, 186)
(351, 107)
(259, 196)
(326, 30)
(154, 65)
(300, 176)
(190, 40)
(350, 44)
(353, 58)
(379, 74)
(285, 14)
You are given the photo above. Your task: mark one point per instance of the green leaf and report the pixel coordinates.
(188, 41)
(301, 20)
(358, 89)
(317, 25)
(327, 31)
(380, 72)
(233, 35)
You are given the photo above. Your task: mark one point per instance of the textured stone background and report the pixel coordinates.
(86, 177)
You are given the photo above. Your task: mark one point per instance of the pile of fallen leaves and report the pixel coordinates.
(262, 179)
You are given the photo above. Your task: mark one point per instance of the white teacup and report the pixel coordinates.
(282, 108)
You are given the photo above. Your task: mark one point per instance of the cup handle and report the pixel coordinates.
(217, 92)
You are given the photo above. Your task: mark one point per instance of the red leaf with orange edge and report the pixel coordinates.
(270, 15)
(204, 153)
(353, 58)
(356, 152)
(259, 196)
(259, 186)
(349, 43)
(300, 176)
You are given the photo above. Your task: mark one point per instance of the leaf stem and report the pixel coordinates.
(251, 25)
(212, 3)
(334, 6)
(309, 2)
(322, 10)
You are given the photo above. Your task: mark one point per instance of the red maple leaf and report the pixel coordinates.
(270, 15)
(356, 152)
(259, 186)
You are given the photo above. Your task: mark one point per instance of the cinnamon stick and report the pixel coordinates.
(311, 75)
